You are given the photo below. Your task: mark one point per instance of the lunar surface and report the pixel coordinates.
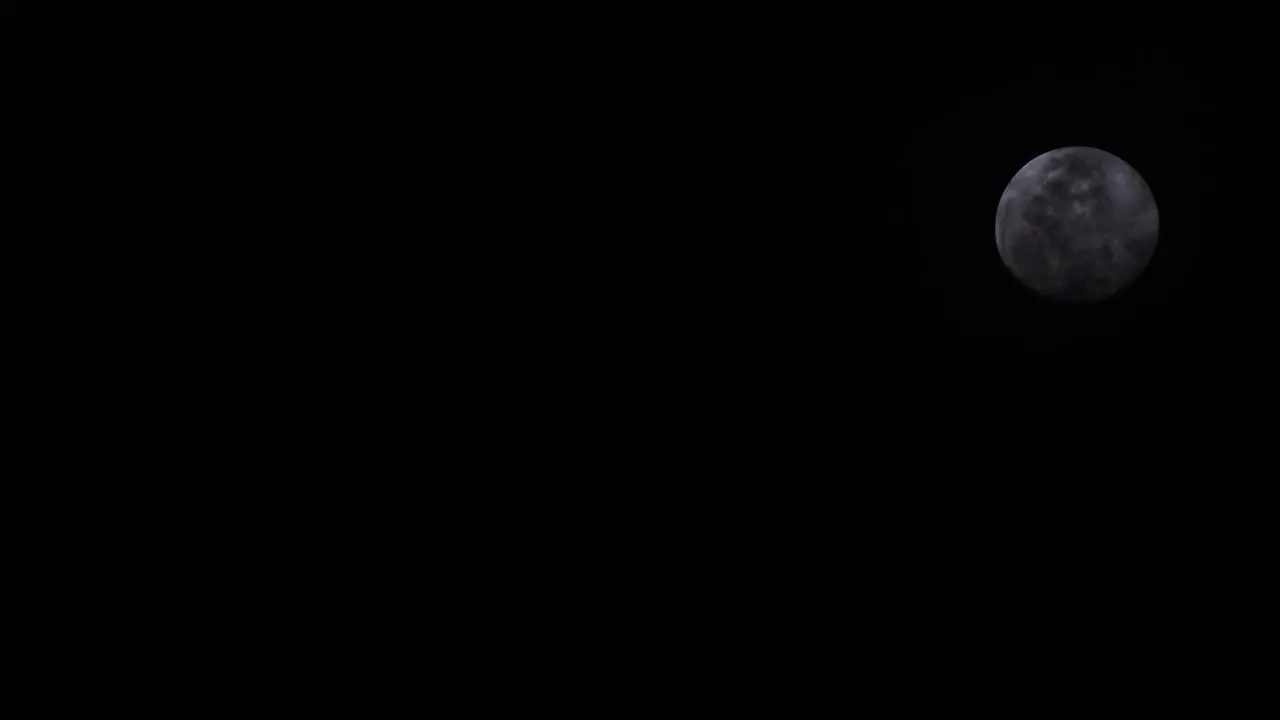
(1077, 224)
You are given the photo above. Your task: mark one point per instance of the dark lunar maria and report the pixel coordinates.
(1077, 224)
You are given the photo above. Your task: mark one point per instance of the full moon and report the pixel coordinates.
(1077, 224)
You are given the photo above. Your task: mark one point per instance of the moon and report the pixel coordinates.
(1077, 224)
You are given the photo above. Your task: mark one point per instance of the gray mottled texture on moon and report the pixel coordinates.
(1077, 223)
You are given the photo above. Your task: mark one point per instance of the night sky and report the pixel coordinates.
(827, 304)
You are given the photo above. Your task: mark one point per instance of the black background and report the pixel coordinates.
(828, 327)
